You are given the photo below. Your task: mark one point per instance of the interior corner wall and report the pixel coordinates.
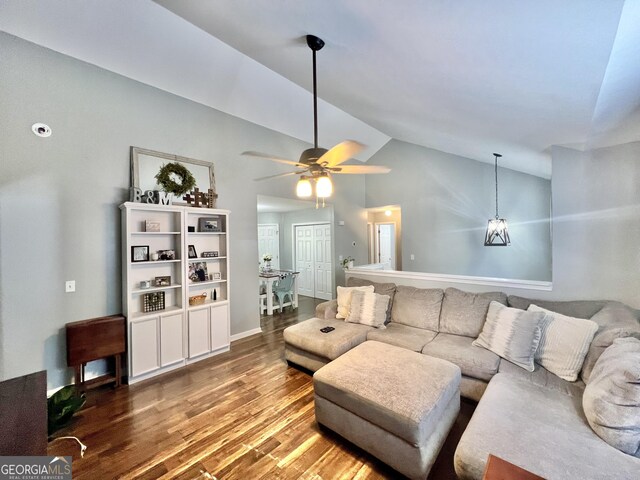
(446, 201)
(59, 197)
(596, 224)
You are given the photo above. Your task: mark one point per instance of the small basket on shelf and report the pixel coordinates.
(197, 299)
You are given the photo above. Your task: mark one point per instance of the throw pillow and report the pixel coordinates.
(380, 288)
(511, 333)
(417, 307)
(344, 299)
(564, 343)
(611, 400)
(464, 313)
(368, 308)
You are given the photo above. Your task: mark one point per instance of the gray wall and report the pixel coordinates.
(446, 201)
(59, 197)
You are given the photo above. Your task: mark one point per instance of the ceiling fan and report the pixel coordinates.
(319, 163)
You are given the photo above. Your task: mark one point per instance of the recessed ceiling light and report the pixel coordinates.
(41, 130)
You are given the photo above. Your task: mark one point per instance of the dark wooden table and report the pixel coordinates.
(93, 339)
(499, 469)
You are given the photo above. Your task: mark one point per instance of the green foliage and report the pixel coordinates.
(62, 405)
(169, 172)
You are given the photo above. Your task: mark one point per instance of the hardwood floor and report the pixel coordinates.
(244, 414)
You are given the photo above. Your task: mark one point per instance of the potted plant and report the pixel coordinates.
(347, 262)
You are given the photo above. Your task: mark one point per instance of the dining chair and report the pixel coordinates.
(282, 288)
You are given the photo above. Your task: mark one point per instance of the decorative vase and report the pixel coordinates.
(267, 266)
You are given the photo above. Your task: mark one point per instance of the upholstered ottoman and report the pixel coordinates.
(396, 404)
(307, 346)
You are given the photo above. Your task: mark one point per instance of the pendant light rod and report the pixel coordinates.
(497, 155)
(315, 44)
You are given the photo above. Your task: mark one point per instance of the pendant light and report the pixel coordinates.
(497, 232)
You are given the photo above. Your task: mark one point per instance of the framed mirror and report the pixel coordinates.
(145, 164)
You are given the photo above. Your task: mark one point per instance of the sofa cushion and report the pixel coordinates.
(401, 391)
(404, 336)
(541, 430)
(611, 400)
(379, 288)
(574, 308)
(327, 309)
(368, 308)
(417, 307)
(464, 313)
(564, 342)
(543, 378)
(511, 333)
(615, 320)
(308, 337)
(473, 361)
(344, 299)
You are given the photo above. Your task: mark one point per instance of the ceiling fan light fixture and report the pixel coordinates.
(303, 187)
(497, 231)
(324, 187)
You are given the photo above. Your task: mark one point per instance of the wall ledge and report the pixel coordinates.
(461, 279)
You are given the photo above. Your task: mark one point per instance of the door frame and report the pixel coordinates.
(333, 248)
(376, 237)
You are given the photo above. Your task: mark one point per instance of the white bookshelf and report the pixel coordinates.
(178, 334)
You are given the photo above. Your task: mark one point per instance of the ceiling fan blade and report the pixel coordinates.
(355, 169)
(272, 158)
(341, 153)
(278, 175)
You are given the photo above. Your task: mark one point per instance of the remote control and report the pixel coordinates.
(327, 329)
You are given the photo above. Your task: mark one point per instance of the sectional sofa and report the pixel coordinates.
(533, 419)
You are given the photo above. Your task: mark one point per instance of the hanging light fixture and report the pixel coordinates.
(497, 232)
(303, 188)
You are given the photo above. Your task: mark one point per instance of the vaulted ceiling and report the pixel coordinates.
(464, 77)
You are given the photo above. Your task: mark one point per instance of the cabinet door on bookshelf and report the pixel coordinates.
(144, 346)
(219, 327)
(198, 332)
(171, 339)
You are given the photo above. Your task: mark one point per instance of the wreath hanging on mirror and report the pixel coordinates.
(175, 178)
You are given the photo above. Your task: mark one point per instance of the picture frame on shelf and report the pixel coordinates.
(198, 272)
(192, 251)
(139, 253)
(166, 255)
(163, 281)
(217, 276)
(211, 224)
(151, 226)
(153, 302)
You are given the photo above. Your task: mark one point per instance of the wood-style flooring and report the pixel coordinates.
(244, 414)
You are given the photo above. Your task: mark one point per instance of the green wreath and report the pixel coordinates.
(166, 181)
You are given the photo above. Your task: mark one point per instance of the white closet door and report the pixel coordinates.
(304, 259)
(322, 261)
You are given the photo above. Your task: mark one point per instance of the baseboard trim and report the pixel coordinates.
(248, 333)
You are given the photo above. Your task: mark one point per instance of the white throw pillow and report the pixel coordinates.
(564, 343)
(344, 299)
(368, 308)
(512, 334)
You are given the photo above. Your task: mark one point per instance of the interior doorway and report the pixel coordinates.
(269, 242)
(385, 244)
(384, 233)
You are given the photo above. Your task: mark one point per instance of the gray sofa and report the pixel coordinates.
(533, 419)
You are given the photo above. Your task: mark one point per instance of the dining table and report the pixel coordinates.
(266, 278)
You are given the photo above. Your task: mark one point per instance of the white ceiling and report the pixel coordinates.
(464, 77)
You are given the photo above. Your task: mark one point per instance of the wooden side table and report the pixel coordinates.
(93, 339)
(499, 469)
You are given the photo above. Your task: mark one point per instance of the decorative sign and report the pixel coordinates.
(196, 198)
(150, 196)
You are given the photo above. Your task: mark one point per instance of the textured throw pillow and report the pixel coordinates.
(611, 400)
(379, 288)
(368, 308)
(464, 313)
(511, 333)
(344, 299)
(564, 342)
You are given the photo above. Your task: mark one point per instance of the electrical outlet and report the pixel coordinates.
(413, 257)
(70, 286)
